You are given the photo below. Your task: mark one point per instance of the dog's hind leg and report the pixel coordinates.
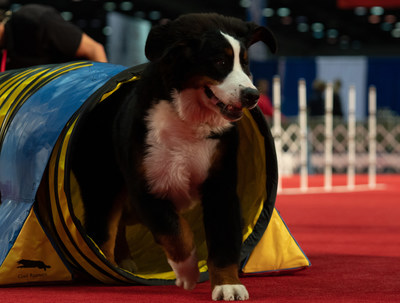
(108, 247)
(116, 248)
(122, 252)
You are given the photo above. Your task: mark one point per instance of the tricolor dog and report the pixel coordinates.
(169, 142)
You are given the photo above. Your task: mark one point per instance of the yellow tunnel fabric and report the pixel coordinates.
(277, 250)
(32, 258)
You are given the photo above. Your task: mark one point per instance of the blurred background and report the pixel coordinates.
(348, 42)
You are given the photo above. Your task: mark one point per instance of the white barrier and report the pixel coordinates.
(328, 136)
(372, 137)
(303, 135)
(351, 170)
(328, 143)
(277, 130)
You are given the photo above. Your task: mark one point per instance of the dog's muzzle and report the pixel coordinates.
(248, 99)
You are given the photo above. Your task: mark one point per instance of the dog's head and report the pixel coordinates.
(207, 54)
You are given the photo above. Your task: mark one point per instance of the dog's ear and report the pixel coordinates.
(162, 43)
(261, 33)
(157, 42)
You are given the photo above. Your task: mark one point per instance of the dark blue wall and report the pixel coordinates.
(383, 72)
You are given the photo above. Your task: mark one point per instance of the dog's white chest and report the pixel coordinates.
(178, 158)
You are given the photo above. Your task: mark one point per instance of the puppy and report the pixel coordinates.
(168, 142)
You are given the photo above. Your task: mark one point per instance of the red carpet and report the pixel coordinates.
(351, 239)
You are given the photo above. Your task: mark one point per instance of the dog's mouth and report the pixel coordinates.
(228, 111)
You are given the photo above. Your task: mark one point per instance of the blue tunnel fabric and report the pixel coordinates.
(28, 139)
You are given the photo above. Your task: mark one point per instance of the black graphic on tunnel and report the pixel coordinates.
(23, 263)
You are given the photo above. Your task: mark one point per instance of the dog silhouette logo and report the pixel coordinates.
(23, 263)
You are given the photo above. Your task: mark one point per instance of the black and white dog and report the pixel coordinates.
(168, 142)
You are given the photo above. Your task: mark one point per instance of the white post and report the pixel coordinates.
(351, 139)
(328, 136)
(303, 135)
(372, 137)
(276, 90)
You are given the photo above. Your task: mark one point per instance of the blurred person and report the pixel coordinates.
(316, 102)
(37, 34)
(337, 104)
(264, 102)
(316, 108)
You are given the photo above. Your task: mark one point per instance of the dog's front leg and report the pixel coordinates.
(173, 233)
(223, 222)
(181, 255)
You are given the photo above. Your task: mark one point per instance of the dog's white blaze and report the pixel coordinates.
(177, 160)
(229, 90)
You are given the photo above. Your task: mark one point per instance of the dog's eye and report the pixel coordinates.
(220, 62)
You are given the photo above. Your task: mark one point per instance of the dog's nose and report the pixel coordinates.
(249, 97)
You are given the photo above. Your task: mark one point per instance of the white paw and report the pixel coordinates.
(230, 292)
(128, 264)
(186, 272)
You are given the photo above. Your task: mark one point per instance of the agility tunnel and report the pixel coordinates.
(42, 239)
